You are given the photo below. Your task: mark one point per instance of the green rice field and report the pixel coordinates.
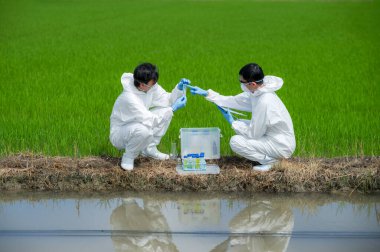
(61, 63)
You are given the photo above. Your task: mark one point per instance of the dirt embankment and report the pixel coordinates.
(35, 172)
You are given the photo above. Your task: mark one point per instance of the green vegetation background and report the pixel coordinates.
(61, 63)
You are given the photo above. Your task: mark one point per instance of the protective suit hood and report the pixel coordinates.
(271, 84)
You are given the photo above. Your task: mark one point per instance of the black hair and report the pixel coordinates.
(144, 73)
(252, 73)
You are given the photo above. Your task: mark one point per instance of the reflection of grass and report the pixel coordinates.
(106, 203)
(308, 203)
(61, 65)
(303, 201)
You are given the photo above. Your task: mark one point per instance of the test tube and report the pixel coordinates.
(184, 89)
(173, 151)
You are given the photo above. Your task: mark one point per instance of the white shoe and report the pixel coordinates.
(154, 153)
(127, 163)
(263, 167)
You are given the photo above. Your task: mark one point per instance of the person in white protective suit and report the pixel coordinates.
(269, 135)
(142, 114)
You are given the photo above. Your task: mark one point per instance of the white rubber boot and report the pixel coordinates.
(264, 167)
(127, 163)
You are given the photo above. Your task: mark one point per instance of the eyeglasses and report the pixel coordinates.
(249, 82)
(245, 82)
(146, 85)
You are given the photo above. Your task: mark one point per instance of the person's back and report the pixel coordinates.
(131, 105)
(280, 125)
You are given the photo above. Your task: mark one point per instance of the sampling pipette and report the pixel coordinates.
(230, 110)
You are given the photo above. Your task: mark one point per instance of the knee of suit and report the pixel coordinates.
(143, 133)
(235, 142)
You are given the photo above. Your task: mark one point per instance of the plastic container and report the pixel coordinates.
(200, 140)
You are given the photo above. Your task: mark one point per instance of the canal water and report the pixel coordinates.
(188, 222)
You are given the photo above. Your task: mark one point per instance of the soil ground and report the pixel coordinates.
(23, 172)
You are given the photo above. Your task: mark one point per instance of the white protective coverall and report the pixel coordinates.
(140, 119)
(269, 135)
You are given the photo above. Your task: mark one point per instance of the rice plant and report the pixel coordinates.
(61, 62)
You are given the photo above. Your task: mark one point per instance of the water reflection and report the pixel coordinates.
(196, 212)
(244, 231)
(261, 216)
(189, 222)
(132, 217)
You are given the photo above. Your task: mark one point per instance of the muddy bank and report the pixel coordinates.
(40, 173)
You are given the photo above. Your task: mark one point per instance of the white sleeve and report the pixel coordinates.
(241, 101)
(175, 94)
(140, 113)
(161, 98)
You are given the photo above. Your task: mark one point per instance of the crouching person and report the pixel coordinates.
(142, 114)
(269, 135)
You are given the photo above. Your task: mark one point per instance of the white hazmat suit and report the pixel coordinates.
(139, 120)
(269, 135)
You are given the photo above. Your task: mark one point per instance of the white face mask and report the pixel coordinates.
(149, 89)
(244, 88)
(153, 87)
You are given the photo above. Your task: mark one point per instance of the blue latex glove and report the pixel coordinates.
(182, 83)
(197, 90)
(179, 103)
(226, 115)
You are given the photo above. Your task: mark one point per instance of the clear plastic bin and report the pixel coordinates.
(198, 140)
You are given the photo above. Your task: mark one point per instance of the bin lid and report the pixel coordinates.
(200, 130)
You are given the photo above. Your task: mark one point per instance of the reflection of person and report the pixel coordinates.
(142, 114)
(131, 217)
(261, 216)
(269, 135)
